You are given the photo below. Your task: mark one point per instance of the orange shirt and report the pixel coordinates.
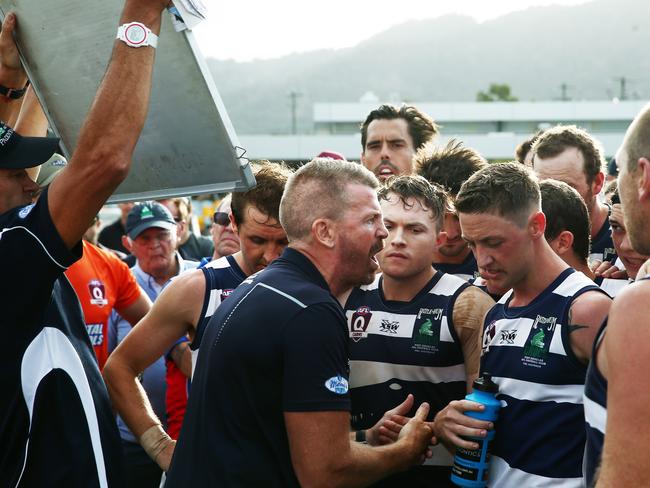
(102, 282)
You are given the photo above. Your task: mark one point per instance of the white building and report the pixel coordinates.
(492, 128)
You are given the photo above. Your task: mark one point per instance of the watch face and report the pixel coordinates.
(135, 33)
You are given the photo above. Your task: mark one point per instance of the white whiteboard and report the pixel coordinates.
(188, 145)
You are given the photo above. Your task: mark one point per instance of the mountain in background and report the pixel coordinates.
(587, 47)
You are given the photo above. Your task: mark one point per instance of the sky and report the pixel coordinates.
(244, 30)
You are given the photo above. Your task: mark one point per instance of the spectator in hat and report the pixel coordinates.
(190, 245)
(152, 236)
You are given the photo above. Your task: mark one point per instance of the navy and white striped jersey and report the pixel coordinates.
(610, 286)
(278, 344)
(397, 348)
(222, 276)
(466, 270)
(602, 246)
(540, 432)
(595, 400)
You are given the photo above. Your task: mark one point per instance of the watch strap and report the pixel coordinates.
(13, 93)
(150, 39)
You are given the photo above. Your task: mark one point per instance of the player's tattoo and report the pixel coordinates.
(574, 327)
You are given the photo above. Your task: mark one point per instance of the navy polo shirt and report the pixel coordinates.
(278, 344)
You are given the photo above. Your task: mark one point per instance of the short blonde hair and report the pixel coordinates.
(318, 190)
(637, 140)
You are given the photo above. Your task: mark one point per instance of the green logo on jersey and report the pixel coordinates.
(535, 347)
(426, 337)
(426, 329)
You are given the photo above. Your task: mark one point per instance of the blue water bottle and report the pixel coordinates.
(471, 465)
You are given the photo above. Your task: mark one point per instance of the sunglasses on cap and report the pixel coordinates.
(221, 218)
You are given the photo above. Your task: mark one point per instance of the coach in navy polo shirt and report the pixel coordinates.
(270, 404)
(56, 425)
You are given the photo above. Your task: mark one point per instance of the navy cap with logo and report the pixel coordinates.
(18, 152)
(148, 214)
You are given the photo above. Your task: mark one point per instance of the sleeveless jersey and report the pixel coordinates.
(602, 246)
(610, 286)
(397, 348)
(540, 431)
(466, 270)
(222, 276)
(595, 401)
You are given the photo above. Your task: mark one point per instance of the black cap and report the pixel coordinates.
(485, 383)
(18, 152)
(148, 214)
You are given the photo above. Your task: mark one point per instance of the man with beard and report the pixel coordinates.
(617, 393)
(390, 137)
(572, 155)
(270, 402)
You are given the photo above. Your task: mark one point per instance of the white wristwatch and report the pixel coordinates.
(136, 34)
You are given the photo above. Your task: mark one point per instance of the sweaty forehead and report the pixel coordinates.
(259, 223)
(411, 207)
(479, 226)
(568, 166)
(388, 129)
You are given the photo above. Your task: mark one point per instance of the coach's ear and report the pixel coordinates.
(644, 179)
(324, 232)
(537, 225)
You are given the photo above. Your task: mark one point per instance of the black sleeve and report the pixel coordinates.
(32, 254)
(316, 368)
(32, 226)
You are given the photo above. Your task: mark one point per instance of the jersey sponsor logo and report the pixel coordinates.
(337, 384)
(97, 293)
(488, 336)
(426, 337)
(507, 336)
(436, 313)
(364, 323)
(95, 333)
(226, 293)
(539, 341)
(389, 326)
(24, 212)
(359, 323)
(545, 322)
